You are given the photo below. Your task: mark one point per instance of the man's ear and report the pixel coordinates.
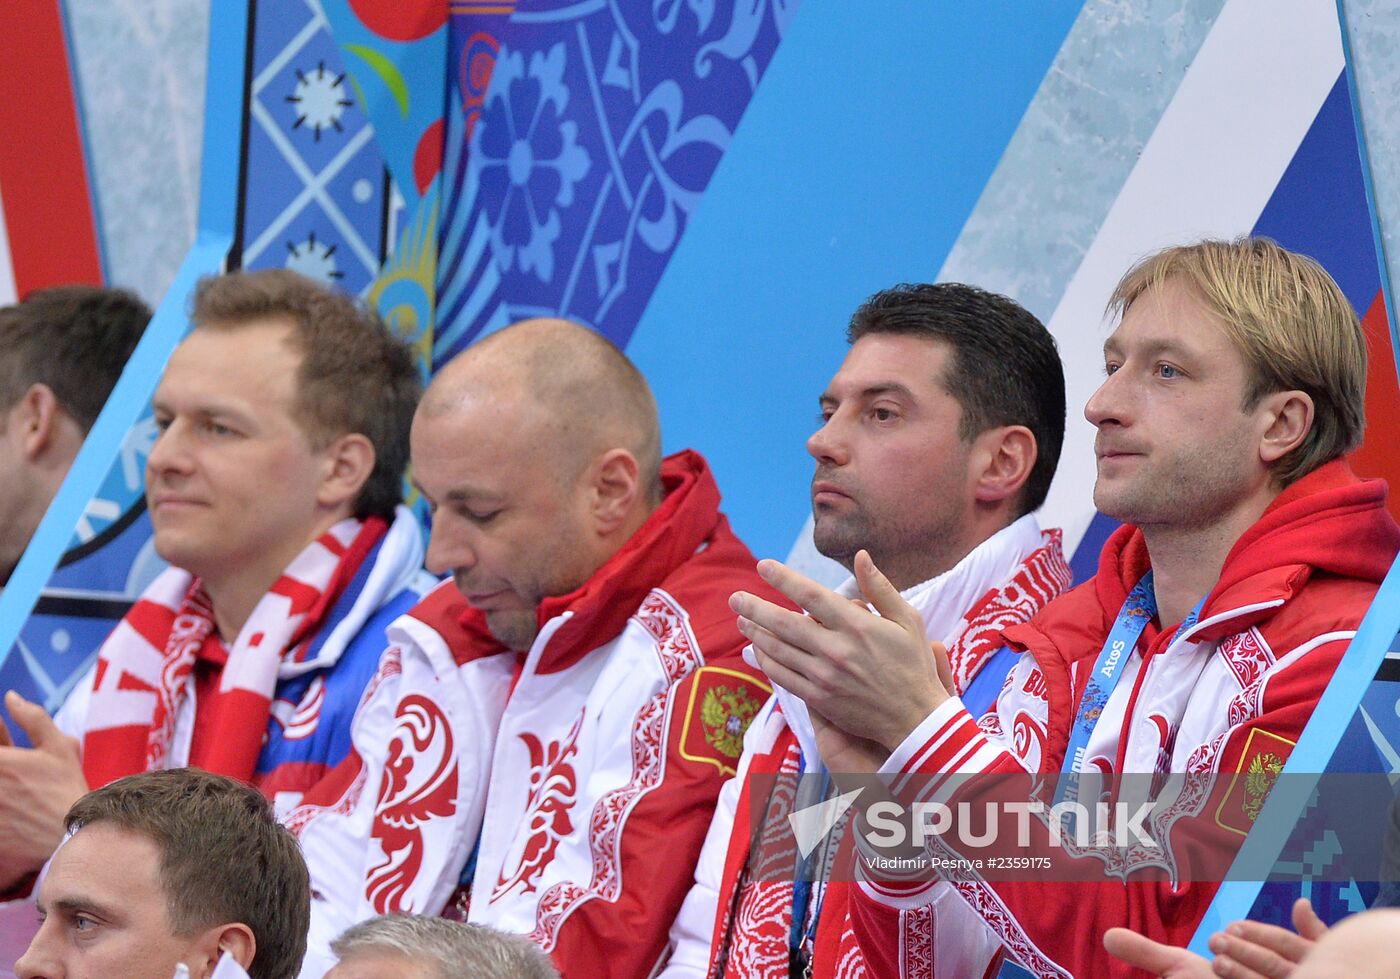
(37, 419)
(237, 940)
(1001, 461)
(234, 938)
(615, 481)
(1287, 417)
(349, 461)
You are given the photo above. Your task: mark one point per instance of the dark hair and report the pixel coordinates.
(75, 340)
(355, 375)
(224, 857)
(1005, 369)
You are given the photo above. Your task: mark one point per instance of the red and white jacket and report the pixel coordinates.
(1005, 580)
(1234, 690)
(581, 775)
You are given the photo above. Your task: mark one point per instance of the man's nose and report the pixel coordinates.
(40, 960)
(1111, 403)
(448, 546)
(828, 443)
(170, 453)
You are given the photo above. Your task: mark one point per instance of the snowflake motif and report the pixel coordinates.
(1141, 602)
(314, 259)
(320, 100)
(1093, 703)
(530, 159)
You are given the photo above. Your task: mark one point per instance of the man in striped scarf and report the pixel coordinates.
(273, 490)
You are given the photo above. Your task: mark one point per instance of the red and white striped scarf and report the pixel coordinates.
(144, 688)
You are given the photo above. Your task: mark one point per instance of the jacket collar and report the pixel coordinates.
(1312, 527)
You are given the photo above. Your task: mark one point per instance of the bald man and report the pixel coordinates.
(544, 745)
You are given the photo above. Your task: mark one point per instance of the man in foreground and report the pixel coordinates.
(61, 352)
(1219, 612)
(939, 438)
(171, 867)
(552, 727)
(272, 491)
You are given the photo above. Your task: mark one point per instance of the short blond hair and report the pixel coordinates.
(1290, 321)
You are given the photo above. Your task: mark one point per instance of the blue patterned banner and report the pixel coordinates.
(599, 133)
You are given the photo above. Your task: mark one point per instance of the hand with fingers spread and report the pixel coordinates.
(37, 787)
(1244, 950)
(1254, 950)
(872, 676)
(1165, 961)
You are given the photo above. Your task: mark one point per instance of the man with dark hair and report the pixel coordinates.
(166, 868)
(939, 436)
(61, 352)
(270, 495)
(411, 946)
(1234, 386)
(555, 724)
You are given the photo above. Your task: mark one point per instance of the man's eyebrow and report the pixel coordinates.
(459, 493)
(79, 904)
(886, 387)
(208, 409)
(1153, 348)
(870, 391)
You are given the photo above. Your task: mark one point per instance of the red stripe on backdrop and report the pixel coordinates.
(43, 176)
(1379, 454)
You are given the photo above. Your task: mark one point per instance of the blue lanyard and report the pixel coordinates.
(1137, 611)
(464, 879)
(799, 933)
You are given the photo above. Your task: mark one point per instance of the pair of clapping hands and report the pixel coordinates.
(868, 680)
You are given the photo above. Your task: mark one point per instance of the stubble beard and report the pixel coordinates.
(515, 629)
(907, 555)
(840, 539)
(1175, 496)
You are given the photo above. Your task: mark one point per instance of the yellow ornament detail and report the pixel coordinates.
(725, 714)
(1263, 771)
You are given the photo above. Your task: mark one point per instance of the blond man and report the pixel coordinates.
(1234, 388)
